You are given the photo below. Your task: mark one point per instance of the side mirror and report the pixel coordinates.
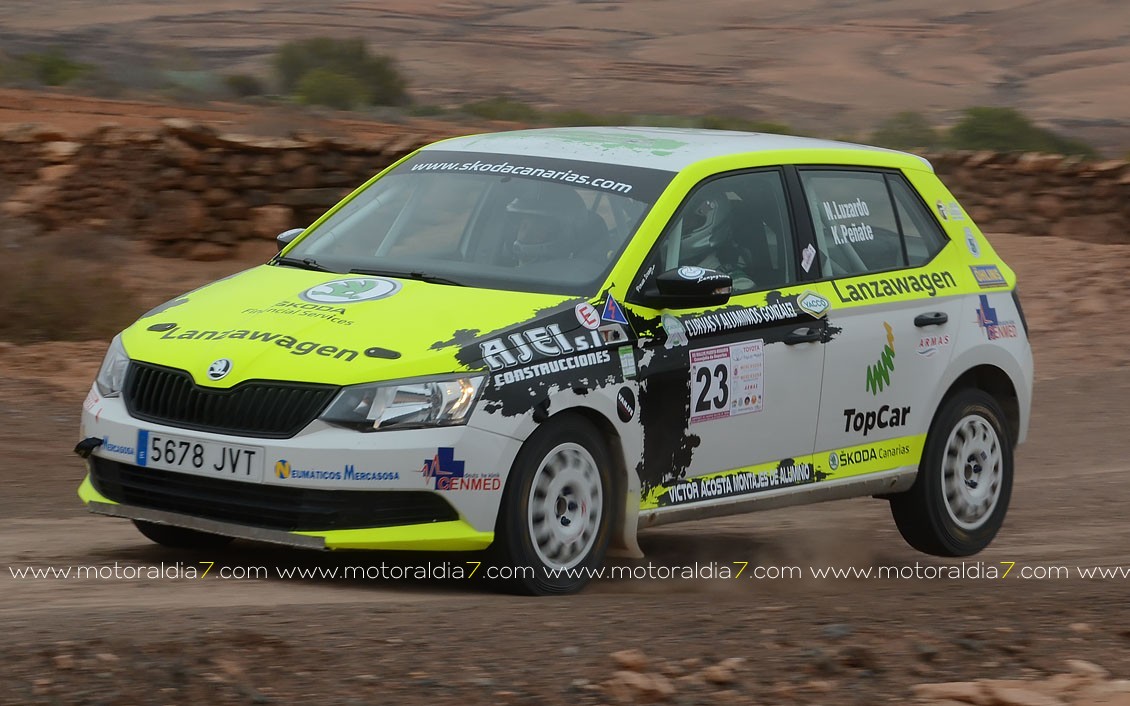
(689, 288)
(283, 239)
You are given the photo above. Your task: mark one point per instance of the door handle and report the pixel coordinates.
(934, 318)
(804, 335)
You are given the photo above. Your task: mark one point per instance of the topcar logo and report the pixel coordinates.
(219, 370)
(354, 289)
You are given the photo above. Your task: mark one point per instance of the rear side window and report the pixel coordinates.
(921, 233)
(867, 222)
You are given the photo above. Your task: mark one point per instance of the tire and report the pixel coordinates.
(181, 537)
(959, 499)
(556, 510)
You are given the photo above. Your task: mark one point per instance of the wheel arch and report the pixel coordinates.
(997, 383)
(624, 518)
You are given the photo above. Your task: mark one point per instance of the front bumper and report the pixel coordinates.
(410, 508)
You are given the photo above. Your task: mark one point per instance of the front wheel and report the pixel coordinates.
(181, 537)
(958, 502)
(553, 524)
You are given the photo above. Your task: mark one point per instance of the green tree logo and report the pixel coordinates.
(879, 374)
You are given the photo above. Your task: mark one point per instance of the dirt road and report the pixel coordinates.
(803, 639)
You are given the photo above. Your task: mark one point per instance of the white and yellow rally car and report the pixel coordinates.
(541, 341)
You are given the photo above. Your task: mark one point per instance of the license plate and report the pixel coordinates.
(199, 457)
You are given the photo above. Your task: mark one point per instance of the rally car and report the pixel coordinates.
(539, 342)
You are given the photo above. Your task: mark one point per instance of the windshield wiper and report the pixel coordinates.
(420, 276)
(306, 263)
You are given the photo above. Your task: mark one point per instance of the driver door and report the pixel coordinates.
(730, 395)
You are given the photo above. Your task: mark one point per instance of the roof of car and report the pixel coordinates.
(669, 149)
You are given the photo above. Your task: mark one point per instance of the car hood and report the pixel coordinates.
(282, 323)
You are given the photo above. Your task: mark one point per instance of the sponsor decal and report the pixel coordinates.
(988, 276)
(219, 369)
(727, 380)
(852, 457)
(843, 233)
(549, 367)
(627, 362)
(730, 319)
(955, 211)
(930, 345)
(612, 333)
(547, 341)
(286, 307)
(879, 374)
(676, 334)
(120, 449)
(284, 471)
(646, 276)
(926, 283)
(351, 290)
(886, 417)
(807, 257)
(813, 304)
(942, 210)
(613, 312)
(994, 328)
(92, 399)
(291, 343)
(625, 404)
(587, 316)
(786, 474)
(971, 242)
(450, 474)
(691, 272)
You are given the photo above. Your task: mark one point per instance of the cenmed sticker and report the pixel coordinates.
(353, 289)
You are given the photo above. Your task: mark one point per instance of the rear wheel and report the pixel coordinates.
(556, 510)
(181, 537)
(958, 502)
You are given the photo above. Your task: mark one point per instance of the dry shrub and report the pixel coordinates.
(50, 298)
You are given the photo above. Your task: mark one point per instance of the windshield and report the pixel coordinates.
(496, 221)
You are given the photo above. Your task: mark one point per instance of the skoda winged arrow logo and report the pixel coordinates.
(219, 369)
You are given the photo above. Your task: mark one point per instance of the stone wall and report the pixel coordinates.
(191, 191)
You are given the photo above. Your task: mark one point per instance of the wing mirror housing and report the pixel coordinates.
(284, 238)
(688, 287)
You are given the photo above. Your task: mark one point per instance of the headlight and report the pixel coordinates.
(112, 374)
(405, 405)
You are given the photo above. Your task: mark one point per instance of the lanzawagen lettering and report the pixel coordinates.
(929, 283)
(290, 343)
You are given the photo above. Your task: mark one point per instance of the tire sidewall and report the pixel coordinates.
(515, 546)
(960, 541)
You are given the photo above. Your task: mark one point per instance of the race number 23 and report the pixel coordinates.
(726, 380)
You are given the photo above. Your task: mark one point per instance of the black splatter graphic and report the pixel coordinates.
(462, 337)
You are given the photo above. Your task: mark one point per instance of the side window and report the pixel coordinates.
(857, 230)
(922, 234)
(738, 224)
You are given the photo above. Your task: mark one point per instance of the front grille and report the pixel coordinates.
(269, 506)
(260, 408)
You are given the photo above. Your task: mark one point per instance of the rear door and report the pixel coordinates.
(895, 311)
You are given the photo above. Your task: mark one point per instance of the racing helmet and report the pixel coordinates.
(547, 223)
(706, 223)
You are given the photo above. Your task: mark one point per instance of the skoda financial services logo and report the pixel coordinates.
(353, 289)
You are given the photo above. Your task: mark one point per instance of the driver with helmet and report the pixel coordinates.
(709, 226)
(547, 226)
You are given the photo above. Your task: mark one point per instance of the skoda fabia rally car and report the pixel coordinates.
(538, 342)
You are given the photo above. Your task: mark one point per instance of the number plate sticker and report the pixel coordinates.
(199, 456)
(727, 380)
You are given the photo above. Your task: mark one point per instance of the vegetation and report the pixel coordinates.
(981, 128)
(907, 131)
(346, 65)
(1007, 130)
(51, 68)
(52, 298)
(244, 85)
